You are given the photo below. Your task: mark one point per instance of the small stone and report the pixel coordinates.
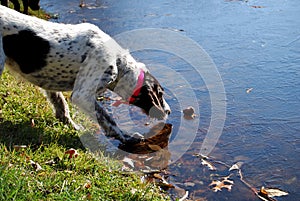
(189, 113)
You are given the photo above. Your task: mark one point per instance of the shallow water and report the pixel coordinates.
(255, 46)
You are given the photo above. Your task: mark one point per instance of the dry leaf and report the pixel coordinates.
(129, 161)
(35, 165)
(32, 123)
(166, 186)
(225, 183)
(89, 196)
(249, 90)
(87, 185)
(72, 153)
(267, 194)
(217, 185)
(275, 192)
(18, 147)
(208, 164)
(157, 176)
(236, 166)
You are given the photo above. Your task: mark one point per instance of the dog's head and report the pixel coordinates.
(149, 97)
(34, 4)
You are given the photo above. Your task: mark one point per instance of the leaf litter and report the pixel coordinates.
(224, 182)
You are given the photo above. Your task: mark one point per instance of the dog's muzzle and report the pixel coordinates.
(160, 113)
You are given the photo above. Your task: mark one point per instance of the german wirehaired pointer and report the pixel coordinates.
(79, 58)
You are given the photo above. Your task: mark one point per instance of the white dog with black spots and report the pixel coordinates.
(79, 58)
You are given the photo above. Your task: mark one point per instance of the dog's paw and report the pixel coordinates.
(134, 138)
(71, 123)
(77, 126)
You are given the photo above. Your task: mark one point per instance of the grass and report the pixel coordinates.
(26, 118)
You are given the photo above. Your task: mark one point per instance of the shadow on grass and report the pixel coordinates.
(25, 133)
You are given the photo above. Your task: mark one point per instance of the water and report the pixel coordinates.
(255, 45)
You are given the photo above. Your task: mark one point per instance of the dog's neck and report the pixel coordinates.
(130, 77)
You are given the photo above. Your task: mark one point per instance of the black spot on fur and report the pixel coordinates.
(108, 71)
(27, 49)
(118, 62)
(83, 57)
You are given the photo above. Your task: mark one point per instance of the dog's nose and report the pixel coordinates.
(167, 108)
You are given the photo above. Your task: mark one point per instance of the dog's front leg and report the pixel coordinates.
(97, 113)
(111, 128)
(61, 108)
(90, 82)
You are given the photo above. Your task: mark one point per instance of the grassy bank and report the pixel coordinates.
(34, 164)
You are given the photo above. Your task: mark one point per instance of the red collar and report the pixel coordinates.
(136, 90)
(138, 87)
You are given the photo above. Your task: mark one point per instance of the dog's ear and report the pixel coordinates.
(2, 56)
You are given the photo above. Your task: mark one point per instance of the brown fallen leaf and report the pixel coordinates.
(72, 153)
(89, 196)
(87, 185)
(157, 176)
(225, 183)
(165, 185)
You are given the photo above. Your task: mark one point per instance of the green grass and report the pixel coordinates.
(47, 140)
(26, 118)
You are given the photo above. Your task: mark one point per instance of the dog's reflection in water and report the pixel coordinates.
(153, 151)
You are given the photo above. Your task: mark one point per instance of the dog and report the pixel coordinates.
(79, 58)
(33, 4)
